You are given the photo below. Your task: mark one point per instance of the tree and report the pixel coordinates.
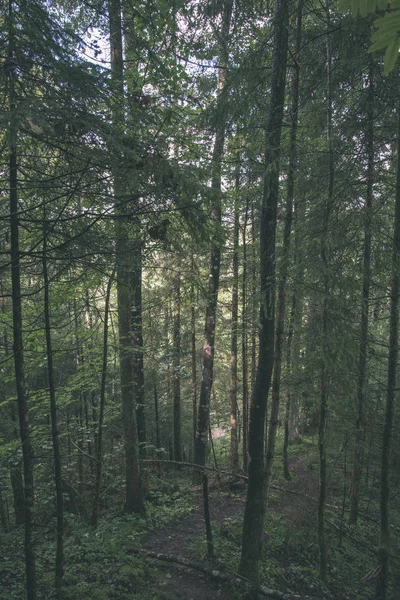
(252, 538)
(134, 488)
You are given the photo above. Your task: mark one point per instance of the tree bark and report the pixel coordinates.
(364, 322)
(215, 256)
(234, 327)
(285, 261)
(245, 390)
(134, 490)
(59, 572)
(253, 529)
(193, 358)
(323, 409)
(382, 581)
(280, 318)
(18, 346)
(177, 366)
(99, 455)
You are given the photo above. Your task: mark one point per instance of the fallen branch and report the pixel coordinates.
(219, 576)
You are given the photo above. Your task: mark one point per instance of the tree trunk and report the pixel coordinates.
(234, 328)
(99, 455)
(177, 366)
(245, 391)
(137, 341)
(285, 262)
(325, 314)
(54, 424)
(382, 581)
(253, 523)
(134, 492)
(18, 347)
(215, 257)
(193, 358)
(280, 319)
(362, 360)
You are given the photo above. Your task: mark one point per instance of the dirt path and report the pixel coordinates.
(176, 539)
(180, 537)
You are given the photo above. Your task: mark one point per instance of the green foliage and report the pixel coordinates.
(387, 26)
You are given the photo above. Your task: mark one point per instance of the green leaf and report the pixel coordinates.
(391, 56)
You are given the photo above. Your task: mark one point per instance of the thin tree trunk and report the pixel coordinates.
(382, 581)
(254, 292)
(137, 341)
(362, 360)
(177, 367)
(158, 439)
(245, 391)
(280, 319)
(215, 257)
(134, 490)
(18, 347)
(59, 574)
(207, 519)
(324, 324)
(286, 471)
(193, 357)
(99, 456)
(253, 523)
(234, 327)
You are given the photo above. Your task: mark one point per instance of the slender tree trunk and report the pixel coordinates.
(323, 413)
(193, 357)
(59, 574)
(177, 367)
(134, 490)
(382, 581)
(137, 340)
(18, 347)
(290, 197)
(253, 523)
(99, 455)
(234, 328)
(286, 471)
(245, 391)
(280, 319)
(158, 439)
(362, 360)
(215, 257)
(254, 295)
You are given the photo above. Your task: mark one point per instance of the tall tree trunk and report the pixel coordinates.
(280, 319)
(158, 439)
(362, 359)
(99, 447)
(54, 423)
(253, 529)
(215, 257)
(137, 340)
(254, 295)
(324, 252)
(18, 347)
(193, 358)
(234, 327)
(134, 490)
(177, 366)
(245, 390)
(285, 261)
(382, 581)
(286, 472)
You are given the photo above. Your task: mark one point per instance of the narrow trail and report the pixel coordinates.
(177, 539)
(180, 537)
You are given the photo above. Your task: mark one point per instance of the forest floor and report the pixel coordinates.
(292, 506)
(100, 565)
